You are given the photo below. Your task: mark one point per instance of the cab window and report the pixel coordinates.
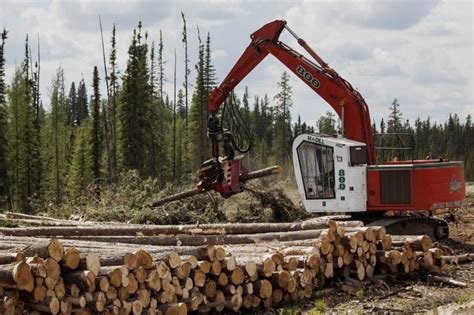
(317, 170)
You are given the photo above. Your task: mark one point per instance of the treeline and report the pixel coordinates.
(453, 139)
(424, 139)
(89, 139)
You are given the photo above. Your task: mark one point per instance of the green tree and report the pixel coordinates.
(5, 196)
(161, 69)
(81, 164)
(282, 120)
(198, 144)
(180, 105)
(18, 102)
(394, 122)
(32, 129)
(82, 111)
(158, 165)
(246, 105)
(56, 146)
(187, 71)
(327, 124)
(71, 104)
(140, 141)
(382, 126)
(209, 71)
(112, 111)
(96, 137)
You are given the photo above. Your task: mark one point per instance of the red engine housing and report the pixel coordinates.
(415, 185)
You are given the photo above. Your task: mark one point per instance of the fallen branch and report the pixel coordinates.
(459, 259)
(447, 280)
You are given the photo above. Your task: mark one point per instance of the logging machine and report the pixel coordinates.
(334, 174)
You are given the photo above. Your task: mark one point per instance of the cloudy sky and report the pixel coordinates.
(419, 51)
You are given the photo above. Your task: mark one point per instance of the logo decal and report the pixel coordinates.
(314, 139)
(454, 186)
(308, 77)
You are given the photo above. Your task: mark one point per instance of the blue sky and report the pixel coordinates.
(419, 51)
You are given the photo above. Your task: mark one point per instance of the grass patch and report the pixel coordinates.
(452, 269)
(319, 308)
(8, 223)
(320, 305)
(466, 297)
(289, 311)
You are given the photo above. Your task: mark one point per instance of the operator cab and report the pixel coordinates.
(330, 173)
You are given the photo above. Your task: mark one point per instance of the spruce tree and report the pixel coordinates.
(297, 128)
(282, 119)
(56, 146)
(161, 69)
(198, 144)
(5, 197)
(38, 122)
(17, 148)
(246, 106)
(180, 105)
(96, 139)
(187, 71)
(71, 104)
(112, 110)
(31, 130)
(158, 159)
(209, 71)
(136, 113)
(394, 122)
(21, 142)
(81, 165)
(152, 69)
(82, 111)
(327, 124)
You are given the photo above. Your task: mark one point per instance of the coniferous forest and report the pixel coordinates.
(88, 146)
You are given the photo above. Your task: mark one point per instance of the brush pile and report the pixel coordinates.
(92, 269)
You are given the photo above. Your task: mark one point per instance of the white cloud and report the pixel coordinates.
(419, 51)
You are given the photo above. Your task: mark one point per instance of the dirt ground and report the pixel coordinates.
(407, 294)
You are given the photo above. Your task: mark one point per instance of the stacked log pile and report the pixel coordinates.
(202, 269)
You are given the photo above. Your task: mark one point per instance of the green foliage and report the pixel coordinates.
(320, 306)
(8, 223)
(56, 148)
(111, 114)
(394, 122)
(466, 297)
(209, 71)
(135, 107)
(327, 124)
(187, 71)
(289, 311)
(282, 139)
(81, 163)
(21, 142)
(4, 180)
(452, 269)
(71, 105)
(96, 137)
(81, 111)
(198, 148)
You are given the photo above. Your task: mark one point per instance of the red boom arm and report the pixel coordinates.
(343, 98)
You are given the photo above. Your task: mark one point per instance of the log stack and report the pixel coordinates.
(253, 270)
